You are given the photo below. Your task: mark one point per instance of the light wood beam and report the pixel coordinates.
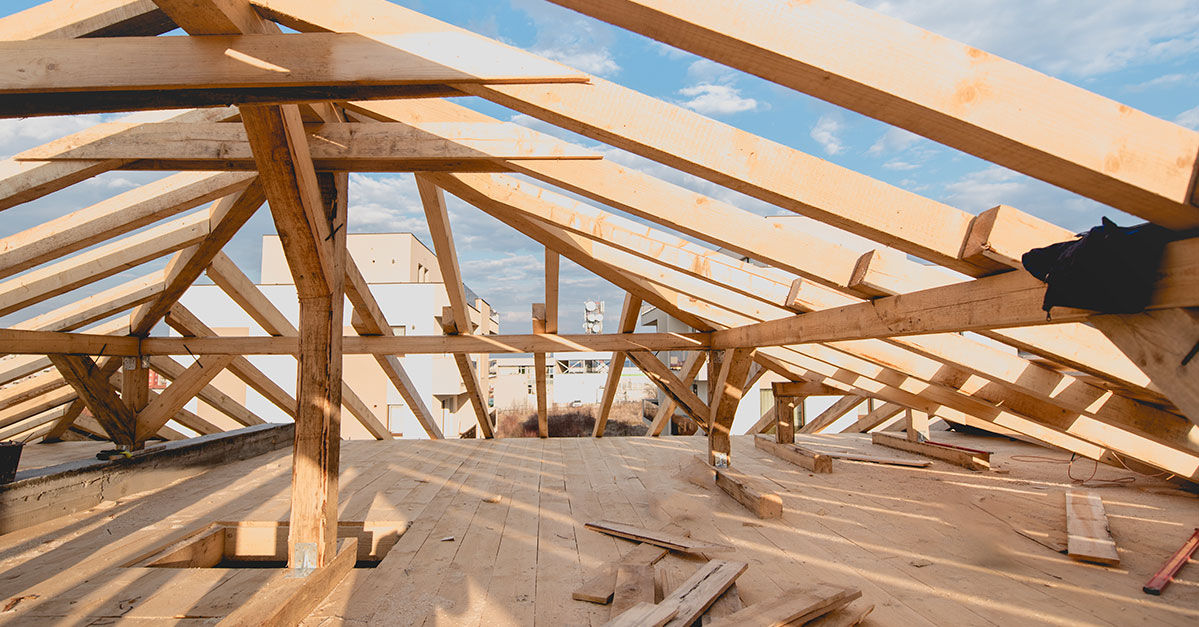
(670, 384)
(438, 217)
(373, 147)
(217, 399)
(225, 218)
(21, 182)
(104, 261)
(371, 321)
(1163, 343)
(182, 389)
(539, 374)
(98, 306)
(629, 313)
(874, 419)
(830, 415)
(92, 386)
(1011, 299)
(115, 216)
(63, 423)
(551, 291)
(21, 366)
(941, 89)
(733, 370)
(784, 415)
(691, 369)
(66, 19)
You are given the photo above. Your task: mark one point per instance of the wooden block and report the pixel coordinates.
(793, 607)
(644, 615)
(1089, 539)
(805, 458)
(874, 459)
(634, 585)
(762, 503)
(666, 540)
(966, 458)
(847, 616)
(600, 588)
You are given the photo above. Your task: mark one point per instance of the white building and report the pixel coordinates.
(406, 281)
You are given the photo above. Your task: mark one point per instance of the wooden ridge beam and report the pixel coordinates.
(845, 54)
(342, 146)
(629, 313)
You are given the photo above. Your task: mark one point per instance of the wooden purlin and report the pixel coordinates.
(963, 356)
(936, 87)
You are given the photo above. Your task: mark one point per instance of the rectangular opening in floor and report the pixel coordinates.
(255, 544)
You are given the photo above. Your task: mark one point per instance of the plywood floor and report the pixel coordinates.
(496, 537)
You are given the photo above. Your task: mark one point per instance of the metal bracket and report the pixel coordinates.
(129, 363)
(720, 460)
(305, 560)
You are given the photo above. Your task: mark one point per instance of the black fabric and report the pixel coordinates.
(1110, 268)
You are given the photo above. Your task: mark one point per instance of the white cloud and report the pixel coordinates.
(709, 71)
(1061, 37)
(1189, 118)
(896, 164)
(717, 100)
(893, 141)
(825, 133)
(598, 61)
(1166, 80)
(995, 185)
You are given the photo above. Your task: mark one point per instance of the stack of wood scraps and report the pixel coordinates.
(709, 594)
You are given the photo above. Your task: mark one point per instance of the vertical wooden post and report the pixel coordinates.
(784, 414)
(484, 359)
(135, 390)
(917, 425)
(734, 369)
(313, 533)
(543, 415)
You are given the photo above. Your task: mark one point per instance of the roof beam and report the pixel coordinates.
(629, 313)
(691, 369)
(181, 390)
(944, 90)
(340, 146)
(91, 384)
(66, 19)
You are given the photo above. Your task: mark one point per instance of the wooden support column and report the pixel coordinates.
(551, 291)
(733, 370)
(483, 360)
(628, 323)
(784, 414)
(135, 387)
(543, 412)
(916, 423)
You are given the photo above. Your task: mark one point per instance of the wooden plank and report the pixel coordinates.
(634, 585)
(691, 369)
(728, 603)
(802, 457)
(848, 616)
(65, 19)
(376, 147)
(629, 313)
(976, 460)
(114, 216)
(802, 388)
(747, 491)
(666, 540)
(702, 589)
(943, 90)
(600, 588)
(796, 606)
(727, 394)
(258, 60)
(1089, 538)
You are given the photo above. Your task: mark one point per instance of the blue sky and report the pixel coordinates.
(1143, 53)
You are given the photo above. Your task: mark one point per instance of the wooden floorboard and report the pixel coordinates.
(911, 539)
